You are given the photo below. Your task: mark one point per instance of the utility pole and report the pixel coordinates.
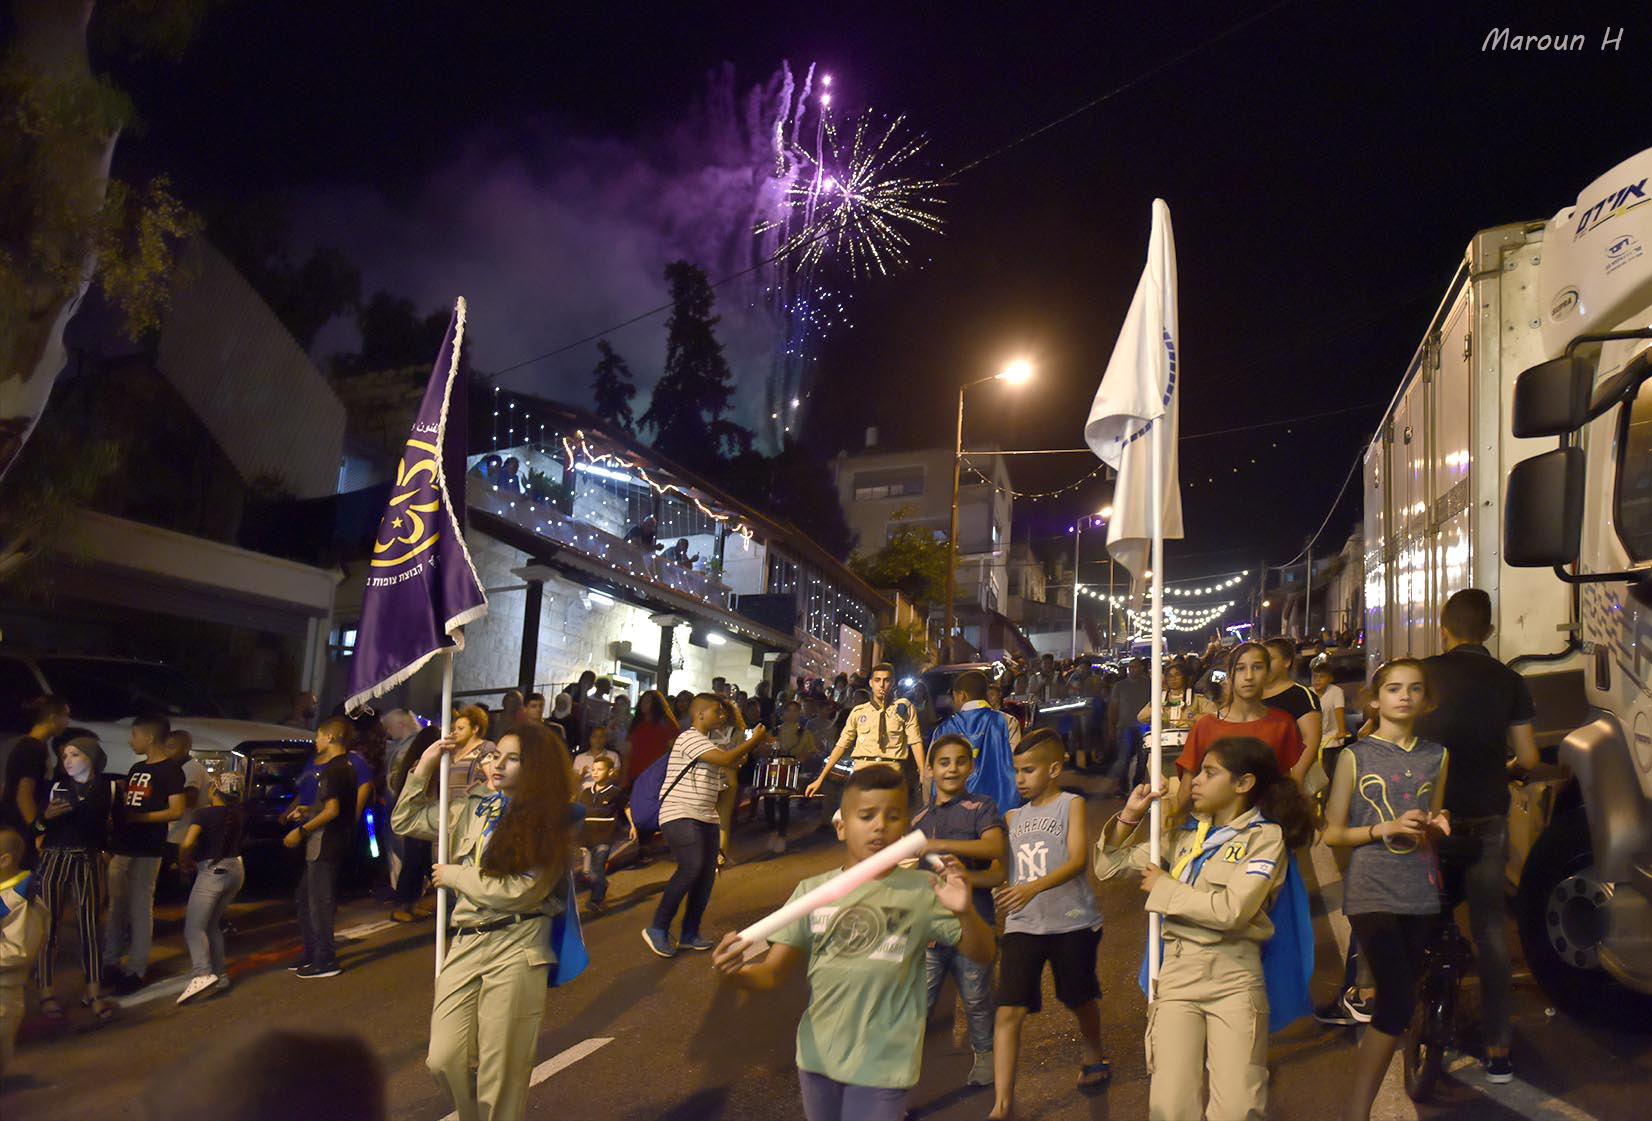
(1308, 596)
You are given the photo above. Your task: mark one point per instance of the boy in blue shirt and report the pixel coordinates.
(969, 827)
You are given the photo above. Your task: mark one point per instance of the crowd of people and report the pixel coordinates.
(547, 796)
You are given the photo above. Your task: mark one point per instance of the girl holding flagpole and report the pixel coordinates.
(509, 858)
(1229, 864)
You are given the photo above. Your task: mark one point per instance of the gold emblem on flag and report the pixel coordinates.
(414, 502)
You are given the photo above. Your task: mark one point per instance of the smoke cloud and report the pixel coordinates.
(551, 236)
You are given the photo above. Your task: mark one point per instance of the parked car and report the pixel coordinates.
(106, 694)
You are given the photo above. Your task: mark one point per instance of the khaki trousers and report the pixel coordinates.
(1211, 1016)
(488, 1006)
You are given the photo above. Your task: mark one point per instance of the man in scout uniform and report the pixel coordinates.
(880, 732)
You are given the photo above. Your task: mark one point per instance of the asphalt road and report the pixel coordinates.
(638, 1037)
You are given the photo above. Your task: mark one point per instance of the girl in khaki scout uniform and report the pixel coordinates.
(510, 843)
(1226, 864)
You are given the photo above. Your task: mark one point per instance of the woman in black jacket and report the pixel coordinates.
(74, 830)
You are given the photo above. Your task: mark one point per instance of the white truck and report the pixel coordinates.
(1517, 457)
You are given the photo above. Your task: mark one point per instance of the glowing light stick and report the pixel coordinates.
(909, 847)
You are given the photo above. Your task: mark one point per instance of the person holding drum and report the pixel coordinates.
(1183, 706)
(780, 771)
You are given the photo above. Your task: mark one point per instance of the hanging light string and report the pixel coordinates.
(1033, 496)
(1212, 587)
(619, 463)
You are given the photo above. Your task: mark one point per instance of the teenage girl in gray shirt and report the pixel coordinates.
(1385, 806)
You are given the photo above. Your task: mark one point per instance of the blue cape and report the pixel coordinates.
(1287, 956)
(567, 940)
(994, 773)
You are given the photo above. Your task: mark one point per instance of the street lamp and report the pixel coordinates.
(1015, 373)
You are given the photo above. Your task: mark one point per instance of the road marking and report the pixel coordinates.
(555, 1063)
(1393, 1104)
(172, 986)
(1521, 1097)
(355, 933)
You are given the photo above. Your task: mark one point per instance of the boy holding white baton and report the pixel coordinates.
(860, 1042)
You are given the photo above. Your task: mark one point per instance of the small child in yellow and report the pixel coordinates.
(22, 926)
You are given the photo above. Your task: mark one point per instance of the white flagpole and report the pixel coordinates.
(441, 822)
(1155, 766)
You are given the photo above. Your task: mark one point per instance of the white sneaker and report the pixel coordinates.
(197, 986)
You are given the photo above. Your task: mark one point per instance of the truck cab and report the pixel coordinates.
(1583, 510)
(1516, 457)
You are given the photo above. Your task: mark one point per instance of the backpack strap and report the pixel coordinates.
(679, 778)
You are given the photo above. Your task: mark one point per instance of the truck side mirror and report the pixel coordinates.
(1552, 398)
(1543, 509)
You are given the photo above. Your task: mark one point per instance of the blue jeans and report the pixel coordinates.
(694, 846)
(599, 872)
(1128, 750)
(825, 1099)
(1473, 868)
(217, 882)
(131, 912)
(974, 984)
(317, 906)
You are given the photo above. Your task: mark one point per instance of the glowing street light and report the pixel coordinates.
(1016, 373)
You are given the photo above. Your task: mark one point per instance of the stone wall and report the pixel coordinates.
(577, 630)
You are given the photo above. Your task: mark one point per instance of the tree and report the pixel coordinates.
(54, 475)
(913, 561)
(686, 410)
(63, 220)
(256, 234)
(906, 647)
(393, 335)
(612, 386)
(792, 485)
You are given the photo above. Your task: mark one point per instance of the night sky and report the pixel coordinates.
(1325, 166)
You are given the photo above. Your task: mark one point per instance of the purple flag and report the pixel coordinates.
(421, 585)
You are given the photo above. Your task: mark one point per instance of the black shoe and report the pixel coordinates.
(310, 972)
(125, 984)
(299, 965)
(1499, 1069)
(1334, 1014)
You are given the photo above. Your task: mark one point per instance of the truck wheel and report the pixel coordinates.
(1561, 926)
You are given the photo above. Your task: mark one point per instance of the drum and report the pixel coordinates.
(779, 776)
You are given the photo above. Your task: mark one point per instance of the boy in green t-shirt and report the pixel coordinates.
(860, 1041)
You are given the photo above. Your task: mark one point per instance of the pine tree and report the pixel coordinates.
(686, 411)
(611, 385)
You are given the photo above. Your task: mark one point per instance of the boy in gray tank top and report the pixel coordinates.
(1050, 916)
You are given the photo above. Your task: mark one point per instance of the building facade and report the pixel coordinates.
(597, 553)
(882, 492)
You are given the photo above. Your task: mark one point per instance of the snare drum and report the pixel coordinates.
(779, 776)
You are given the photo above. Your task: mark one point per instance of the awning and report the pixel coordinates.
(128, 564)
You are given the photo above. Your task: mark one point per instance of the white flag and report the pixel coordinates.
(1137, 393)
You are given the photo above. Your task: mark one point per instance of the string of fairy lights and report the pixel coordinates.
(1033, 496)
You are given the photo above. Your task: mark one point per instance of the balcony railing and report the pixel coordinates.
(546, 521)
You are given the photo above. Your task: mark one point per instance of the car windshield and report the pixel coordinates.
(113, 690)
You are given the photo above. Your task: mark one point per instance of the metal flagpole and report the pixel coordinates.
(441, 822)
(1078, 537)
(1155, 754)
